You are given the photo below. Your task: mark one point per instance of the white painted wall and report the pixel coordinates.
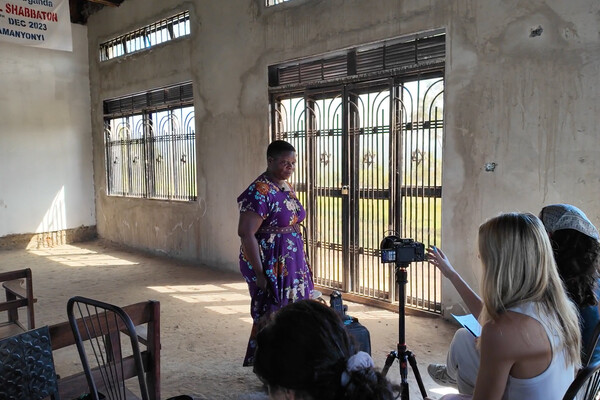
(46, 177)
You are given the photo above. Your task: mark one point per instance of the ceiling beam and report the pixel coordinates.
(113, 3)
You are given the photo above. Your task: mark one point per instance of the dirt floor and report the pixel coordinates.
(205, 319)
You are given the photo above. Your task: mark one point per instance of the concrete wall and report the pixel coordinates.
(46, 176)
(528, 103)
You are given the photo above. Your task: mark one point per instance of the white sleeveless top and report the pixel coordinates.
(554, 381)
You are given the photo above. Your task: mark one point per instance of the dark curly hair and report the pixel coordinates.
(578, 259)
(305, 348)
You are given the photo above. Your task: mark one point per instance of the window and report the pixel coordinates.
(151, 35)
(275, 2)
(150, 144)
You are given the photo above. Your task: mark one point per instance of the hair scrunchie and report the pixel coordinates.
(359, 361)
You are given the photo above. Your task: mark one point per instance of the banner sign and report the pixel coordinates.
(37, 23)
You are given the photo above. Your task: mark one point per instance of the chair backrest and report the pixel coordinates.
(586, 385)
(27, 366)
(18, 288)
(107, 359)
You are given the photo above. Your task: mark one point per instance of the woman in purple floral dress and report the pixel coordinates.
(272, 253)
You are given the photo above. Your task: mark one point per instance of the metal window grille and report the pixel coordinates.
(368, 128)
(150, 144)
(150, 35)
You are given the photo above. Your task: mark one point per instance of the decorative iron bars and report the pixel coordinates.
(150, 35)
(369, 156)
(151, 150)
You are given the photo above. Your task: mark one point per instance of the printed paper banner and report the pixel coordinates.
(38, 23)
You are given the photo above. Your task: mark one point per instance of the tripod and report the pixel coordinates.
(403, 355)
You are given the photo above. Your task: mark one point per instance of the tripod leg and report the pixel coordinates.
(388, 362)
(404, 393)
(403, 357)
(413, 363)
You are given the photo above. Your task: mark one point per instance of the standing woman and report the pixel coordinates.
(272, 256)
(530, 340)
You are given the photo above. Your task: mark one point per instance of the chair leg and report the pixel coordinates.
(13, 314)
(113, 346)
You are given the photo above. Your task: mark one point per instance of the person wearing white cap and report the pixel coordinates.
(577, 254)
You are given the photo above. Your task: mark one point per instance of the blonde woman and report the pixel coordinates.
(530, 341)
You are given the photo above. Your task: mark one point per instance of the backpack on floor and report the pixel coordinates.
(355, 329)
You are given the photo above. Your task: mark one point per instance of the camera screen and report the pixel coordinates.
(388, 255)
(406, 254)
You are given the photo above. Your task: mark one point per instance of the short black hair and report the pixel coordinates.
(277, 147)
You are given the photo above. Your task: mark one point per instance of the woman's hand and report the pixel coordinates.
(261, 280)
(437, 257)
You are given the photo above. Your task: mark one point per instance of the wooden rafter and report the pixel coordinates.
(114, 3)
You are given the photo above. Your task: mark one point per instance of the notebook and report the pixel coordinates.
(470, 323)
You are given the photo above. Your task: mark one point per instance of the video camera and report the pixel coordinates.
(401, 251)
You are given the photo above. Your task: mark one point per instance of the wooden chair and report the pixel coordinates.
(18, 288)
(586, 385)
(27, 367)
(103, 328)
(97, 330)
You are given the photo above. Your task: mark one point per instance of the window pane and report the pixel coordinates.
(147, 36)
(152, 153)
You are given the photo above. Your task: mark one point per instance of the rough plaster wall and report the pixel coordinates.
(46, 181)
(528, 103)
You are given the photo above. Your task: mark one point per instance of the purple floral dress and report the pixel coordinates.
(289, 277)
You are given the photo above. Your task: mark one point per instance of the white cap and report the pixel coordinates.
(565, 216)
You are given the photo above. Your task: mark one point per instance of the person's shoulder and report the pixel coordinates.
(511, 333)
(260, 178)
(496, 329)
(498, 338)
(260, 184)
(510, 321)
(260, 189)
(504, 327)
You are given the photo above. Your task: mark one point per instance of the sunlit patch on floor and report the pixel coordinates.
(443, 390)
(186, 288)
(91, 261)
(230, 309)
(62, 251)
(237, 286)
(211, 298)
(73, 256)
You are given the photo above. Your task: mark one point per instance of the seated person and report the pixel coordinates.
(304, 353)
(530, 342)
(577, 253)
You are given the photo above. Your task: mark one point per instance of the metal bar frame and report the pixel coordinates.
(401, 186)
